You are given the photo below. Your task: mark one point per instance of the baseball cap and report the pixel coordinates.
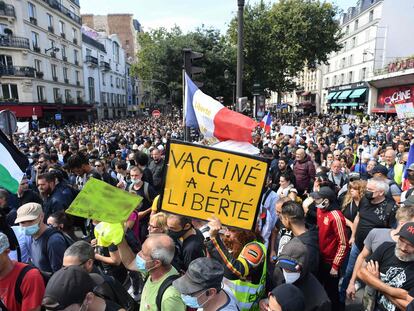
(411, 167)
(380, 169)
(67, 286)
(409, 201)
(354, 176)
(407, 232)
(293, 254)
(202, 273)
(4, 242)
(324, 193)
(253, 254)
(27, 212)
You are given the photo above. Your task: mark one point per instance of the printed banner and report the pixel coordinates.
(405, 111)
(287, 130)
(101, 201)
(202, 182)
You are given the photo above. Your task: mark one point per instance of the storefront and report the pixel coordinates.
(351, 98)
(389, 97)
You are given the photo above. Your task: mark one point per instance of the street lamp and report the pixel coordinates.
(239, 79)
(53, 49)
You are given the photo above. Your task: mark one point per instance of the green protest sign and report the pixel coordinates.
(101, 201)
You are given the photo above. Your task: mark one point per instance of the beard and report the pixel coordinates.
(403, 256)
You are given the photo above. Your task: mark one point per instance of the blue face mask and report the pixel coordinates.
(190, 301)
(31, 230)
(140, 264)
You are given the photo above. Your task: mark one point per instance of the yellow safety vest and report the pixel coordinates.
(248, 294)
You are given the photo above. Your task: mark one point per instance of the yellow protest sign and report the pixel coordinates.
(203, 181)
(101, 201)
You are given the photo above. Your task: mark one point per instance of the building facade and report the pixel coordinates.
(41, 60)
(374, 32)
(104, 74)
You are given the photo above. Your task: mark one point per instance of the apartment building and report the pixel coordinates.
(41, 60)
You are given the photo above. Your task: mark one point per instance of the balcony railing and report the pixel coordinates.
(7, 9)
(105, 66)
(64, 10)
(22, 71)
(91, 60)
(15, 42)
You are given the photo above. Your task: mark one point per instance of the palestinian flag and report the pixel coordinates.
(13, 164)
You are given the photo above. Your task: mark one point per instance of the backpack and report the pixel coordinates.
(114, 291)
(146, 193)
(164, 286)
(17, 291)
(409, 192)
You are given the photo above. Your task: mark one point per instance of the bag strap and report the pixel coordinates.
(164, 286)
(17, 291)
(146, 193)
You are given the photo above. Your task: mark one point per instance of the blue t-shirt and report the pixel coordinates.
(52, 259)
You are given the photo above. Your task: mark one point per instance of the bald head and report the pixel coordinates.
(160, 247)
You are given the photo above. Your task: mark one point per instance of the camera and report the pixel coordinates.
(361, 150)
(205, 230)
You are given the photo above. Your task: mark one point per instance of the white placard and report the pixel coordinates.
(287, 130)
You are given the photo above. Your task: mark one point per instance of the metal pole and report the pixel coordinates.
(239, 90)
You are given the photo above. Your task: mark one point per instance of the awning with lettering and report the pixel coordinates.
(357, 93)
(344, 94)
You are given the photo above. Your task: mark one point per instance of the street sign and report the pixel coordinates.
(8, 122)
(156, 113)
(58, 117)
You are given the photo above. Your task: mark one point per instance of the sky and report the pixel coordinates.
(188, 14)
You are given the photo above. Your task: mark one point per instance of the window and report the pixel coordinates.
(103, 79)
(63, 50)
(117, 82)
(78, 95)
(350, 77)
(32, 10)
(65, 73)
(49, 20)
(41, 93)
(363, 73)
(51, 43)
(10, 91)
(342, 78)
(115, 51)
(351, 60)
(54, 75)
(343, 62)
(334, 81)
(56, 94)
(35, 39)
(356, 24)
(75, 55)
(77, 76)
(347, 30)
(6, 61)
(371, 15)
(91, 87)
(68, 97)
(88, 52)
(38, 64)
(61, 27)
(112, 82)
(74, 33)
(353, 42)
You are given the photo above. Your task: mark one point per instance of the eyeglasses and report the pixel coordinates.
(153, 227)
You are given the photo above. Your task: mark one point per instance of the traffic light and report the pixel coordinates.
(192, 71)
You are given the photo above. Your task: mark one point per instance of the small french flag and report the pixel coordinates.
(405, 182)
(266, 122)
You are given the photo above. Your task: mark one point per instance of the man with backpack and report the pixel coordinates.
(48, 244)
(155, 259)
(21, 286)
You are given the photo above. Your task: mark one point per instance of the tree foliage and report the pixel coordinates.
(161, 58)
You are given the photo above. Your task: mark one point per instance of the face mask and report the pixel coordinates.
(291, 277)
(369, 195)
(175, 235)
(191, 301)
(140, 264)
(321, 205)
(31, 230)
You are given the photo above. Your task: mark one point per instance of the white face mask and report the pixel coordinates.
(291, 277)
(321, 205)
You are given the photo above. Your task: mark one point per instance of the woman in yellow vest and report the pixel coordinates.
(244, 276)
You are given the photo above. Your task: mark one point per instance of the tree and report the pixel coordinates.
(282, 39)
(160, 58)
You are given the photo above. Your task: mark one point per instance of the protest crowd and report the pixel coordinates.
(334, 228)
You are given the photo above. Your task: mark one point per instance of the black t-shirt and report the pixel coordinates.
(118, 272)
(193, 248)
(145, 203)
(393, 272)
(371, 216)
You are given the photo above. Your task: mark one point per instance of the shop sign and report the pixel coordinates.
(402, 64)
(389, 97)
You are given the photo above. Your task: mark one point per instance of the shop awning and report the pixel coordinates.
(336, 95)
(344, 94)
(345, 105)
(331, 95)
(24, 111)
(357, 93)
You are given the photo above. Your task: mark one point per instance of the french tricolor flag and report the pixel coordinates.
(266, 122)
(405, 182)
(215, 122)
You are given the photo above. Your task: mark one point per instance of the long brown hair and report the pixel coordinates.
(243, 237)
(359, 185)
